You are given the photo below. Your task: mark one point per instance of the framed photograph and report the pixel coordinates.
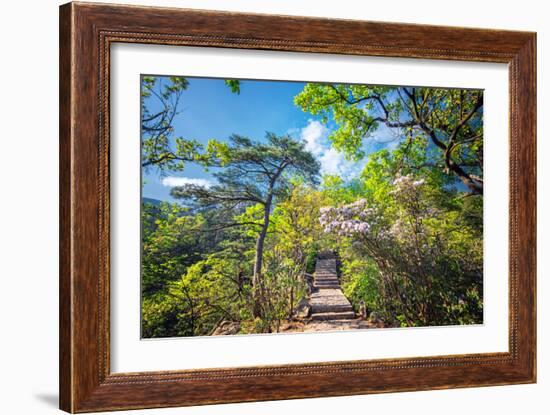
(260, 207)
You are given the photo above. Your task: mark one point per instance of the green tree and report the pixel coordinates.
(253, 173)
(160, 104)
(450, 118)
(297, 238)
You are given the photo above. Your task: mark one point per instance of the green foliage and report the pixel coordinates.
(252, 171)
(361, 282)
(160, 99)
(254, 176)
(338, 191)
(170, 239)
(160, 102)
(234, 85)
(348, 106)
(450, 119)
(420, 262)
(210, 291)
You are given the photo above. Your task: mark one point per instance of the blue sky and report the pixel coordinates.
(208, 109)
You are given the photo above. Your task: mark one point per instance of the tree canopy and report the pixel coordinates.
(160, 104)
(451, 119)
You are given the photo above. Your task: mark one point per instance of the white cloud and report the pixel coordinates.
(172, 181)
(315, 135)
(333, 162)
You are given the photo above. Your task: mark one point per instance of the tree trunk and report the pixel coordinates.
(291, 302)
(257, 284)
(258, 260)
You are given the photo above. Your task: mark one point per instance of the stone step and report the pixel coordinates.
(327, 301)
(327, 286)
(328, 268)
(345, 315)
(331, 308)
(326, 294)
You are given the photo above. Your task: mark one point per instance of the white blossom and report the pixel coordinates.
(347, 220)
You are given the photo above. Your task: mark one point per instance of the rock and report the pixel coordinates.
(374, 317)
(303, 309)
(292, 326)
(309, 283)
(227, 328)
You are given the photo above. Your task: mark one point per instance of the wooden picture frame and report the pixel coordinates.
(86, 33)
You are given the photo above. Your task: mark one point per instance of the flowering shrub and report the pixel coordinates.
(358, 219)
(424, 266)
(347, 220)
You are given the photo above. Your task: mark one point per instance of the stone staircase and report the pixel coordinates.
(327, 300)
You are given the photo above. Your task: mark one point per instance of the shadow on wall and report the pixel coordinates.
(50, 399)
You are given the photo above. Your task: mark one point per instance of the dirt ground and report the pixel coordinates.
(329, 325)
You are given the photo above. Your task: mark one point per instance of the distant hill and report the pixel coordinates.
(154, 202)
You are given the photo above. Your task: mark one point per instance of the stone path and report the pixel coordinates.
(327, 300)
(330, 308)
